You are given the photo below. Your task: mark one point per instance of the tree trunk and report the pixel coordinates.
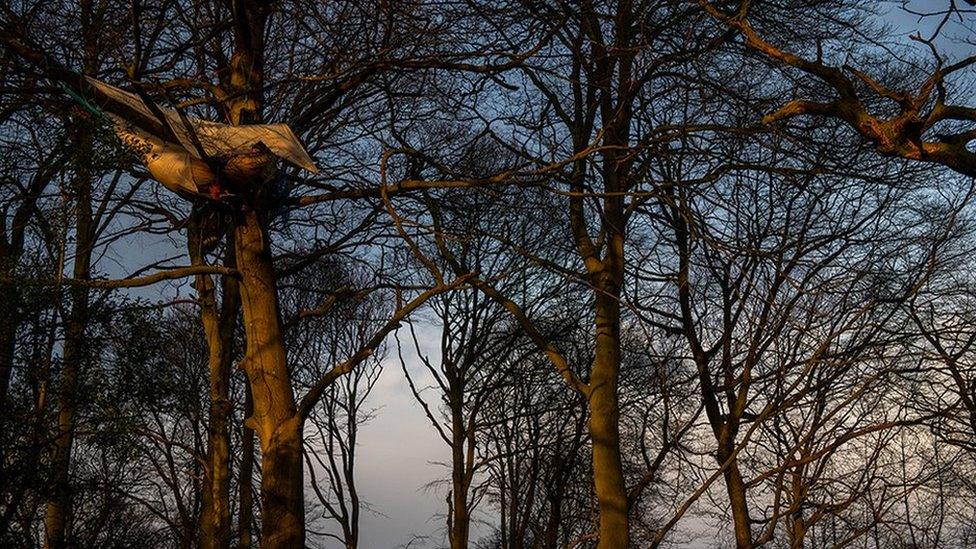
(553, 521)
(283, 508)
(604, 426)
(798, 531)
(215, 528)
(246, 519)
(459, 519)
(274, 419)
(58, 510)
(460, 526)
(59, 499)
(798, 526)
(736, 489)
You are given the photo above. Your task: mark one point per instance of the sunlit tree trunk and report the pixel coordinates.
(604, 425)
(58, 509)
(613, 63)
(218, 327)
(274, 419)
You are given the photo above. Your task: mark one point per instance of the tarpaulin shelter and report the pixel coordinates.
(183, 152)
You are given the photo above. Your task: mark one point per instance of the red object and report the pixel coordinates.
(214, 191)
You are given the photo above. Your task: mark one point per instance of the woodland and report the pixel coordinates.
(652, 273)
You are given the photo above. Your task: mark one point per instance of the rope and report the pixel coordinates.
(95, 111)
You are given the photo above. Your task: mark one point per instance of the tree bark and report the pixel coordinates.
(736, 489)
(215, 519)
(604, 425)
(459, 517)
(59, 499)
(58, 510)
(275, 420)
(798, 526)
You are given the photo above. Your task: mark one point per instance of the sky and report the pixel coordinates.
(400, 455)
(399, 458)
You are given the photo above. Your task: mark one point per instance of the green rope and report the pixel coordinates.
(84, 102)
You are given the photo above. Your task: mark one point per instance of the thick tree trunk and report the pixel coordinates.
(460, 520)
(58, 510)
(604, 426)
(59, 499)
(274, 419)
(283, 508)
(215, 528)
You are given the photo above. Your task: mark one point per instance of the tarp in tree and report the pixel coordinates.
(176, 160)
